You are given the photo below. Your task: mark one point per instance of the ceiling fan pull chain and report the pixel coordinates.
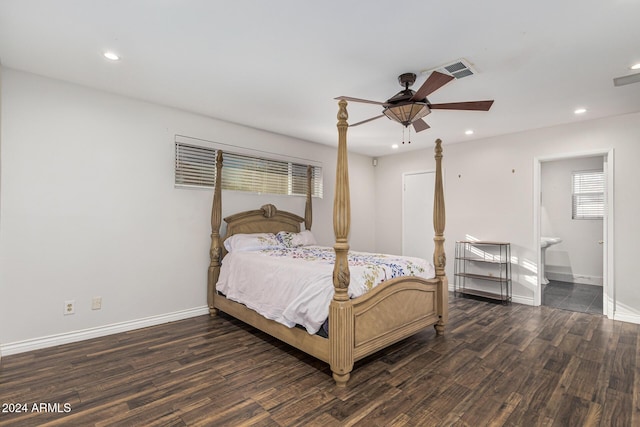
(409, 134)
(403, 135)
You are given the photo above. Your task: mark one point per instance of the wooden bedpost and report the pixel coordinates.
(439, 257)
(308, 212)
(340, 310)
(215, 252)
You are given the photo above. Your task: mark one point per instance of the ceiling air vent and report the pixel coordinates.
(459, 68)
(626, 80)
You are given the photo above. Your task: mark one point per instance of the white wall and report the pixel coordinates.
(89, 208)
(578, 258)
(489, 195)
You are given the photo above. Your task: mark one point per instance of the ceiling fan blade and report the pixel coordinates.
(472, 105)
(434, 82)
(368, 120)
(420, 125)
(366, 101)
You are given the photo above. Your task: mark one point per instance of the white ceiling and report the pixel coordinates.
(277, 65)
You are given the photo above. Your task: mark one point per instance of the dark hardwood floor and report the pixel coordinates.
(497, 365)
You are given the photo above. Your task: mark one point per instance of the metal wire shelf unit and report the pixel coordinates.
(483, 269)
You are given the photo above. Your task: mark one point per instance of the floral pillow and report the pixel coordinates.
(251, 242)
(294, 240)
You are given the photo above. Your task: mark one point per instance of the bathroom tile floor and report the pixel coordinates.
(573, 297)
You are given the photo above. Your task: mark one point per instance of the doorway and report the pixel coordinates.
(578, 266)
(417, 212)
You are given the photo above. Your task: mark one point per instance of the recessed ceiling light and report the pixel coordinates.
(112, 56)
(635, 66)
(394, 146)
(580, 111)
(468, 132)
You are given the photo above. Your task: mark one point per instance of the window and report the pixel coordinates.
(196, 166)
(588, 195)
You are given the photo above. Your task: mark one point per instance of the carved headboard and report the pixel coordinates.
(267, 219)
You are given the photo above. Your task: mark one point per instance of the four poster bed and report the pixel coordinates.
(357, 327)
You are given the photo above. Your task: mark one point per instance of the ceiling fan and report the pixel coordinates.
(409, 107)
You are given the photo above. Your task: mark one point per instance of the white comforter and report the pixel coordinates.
(294, 286)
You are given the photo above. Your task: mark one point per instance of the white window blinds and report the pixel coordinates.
(588, 195)
(196, 166)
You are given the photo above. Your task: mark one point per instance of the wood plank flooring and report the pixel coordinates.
(496, 365)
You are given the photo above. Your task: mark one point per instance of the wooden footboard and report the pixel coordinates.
(393, 311)
(389, 313)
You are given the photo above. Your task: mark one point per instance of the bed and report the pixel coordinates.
(357, 327)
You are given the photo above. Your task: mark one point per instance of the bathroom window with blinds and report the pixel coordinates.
(195, 166)
(588, 195)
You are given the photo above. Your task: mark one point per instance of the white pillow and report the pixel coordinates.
(294, 240)
(251, 242)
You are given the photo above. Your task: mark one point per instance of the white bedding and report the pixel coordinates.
(294, 286)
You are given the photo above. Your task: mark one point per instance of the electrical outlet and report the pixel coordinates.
(69, 307)
(96, 303)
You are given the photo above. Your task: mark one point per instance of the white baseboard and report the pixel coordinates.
(626, 317)
(514, 298)
(574, 278)
(101, 331)
(522, 300)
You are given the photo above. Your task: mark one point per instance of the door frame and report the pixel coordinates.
(608, 305)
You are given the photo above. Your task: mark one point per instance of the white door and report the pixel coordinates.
(417, 214)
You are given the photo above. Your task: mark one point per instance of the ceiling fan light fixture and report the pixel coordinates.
(407, 113)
